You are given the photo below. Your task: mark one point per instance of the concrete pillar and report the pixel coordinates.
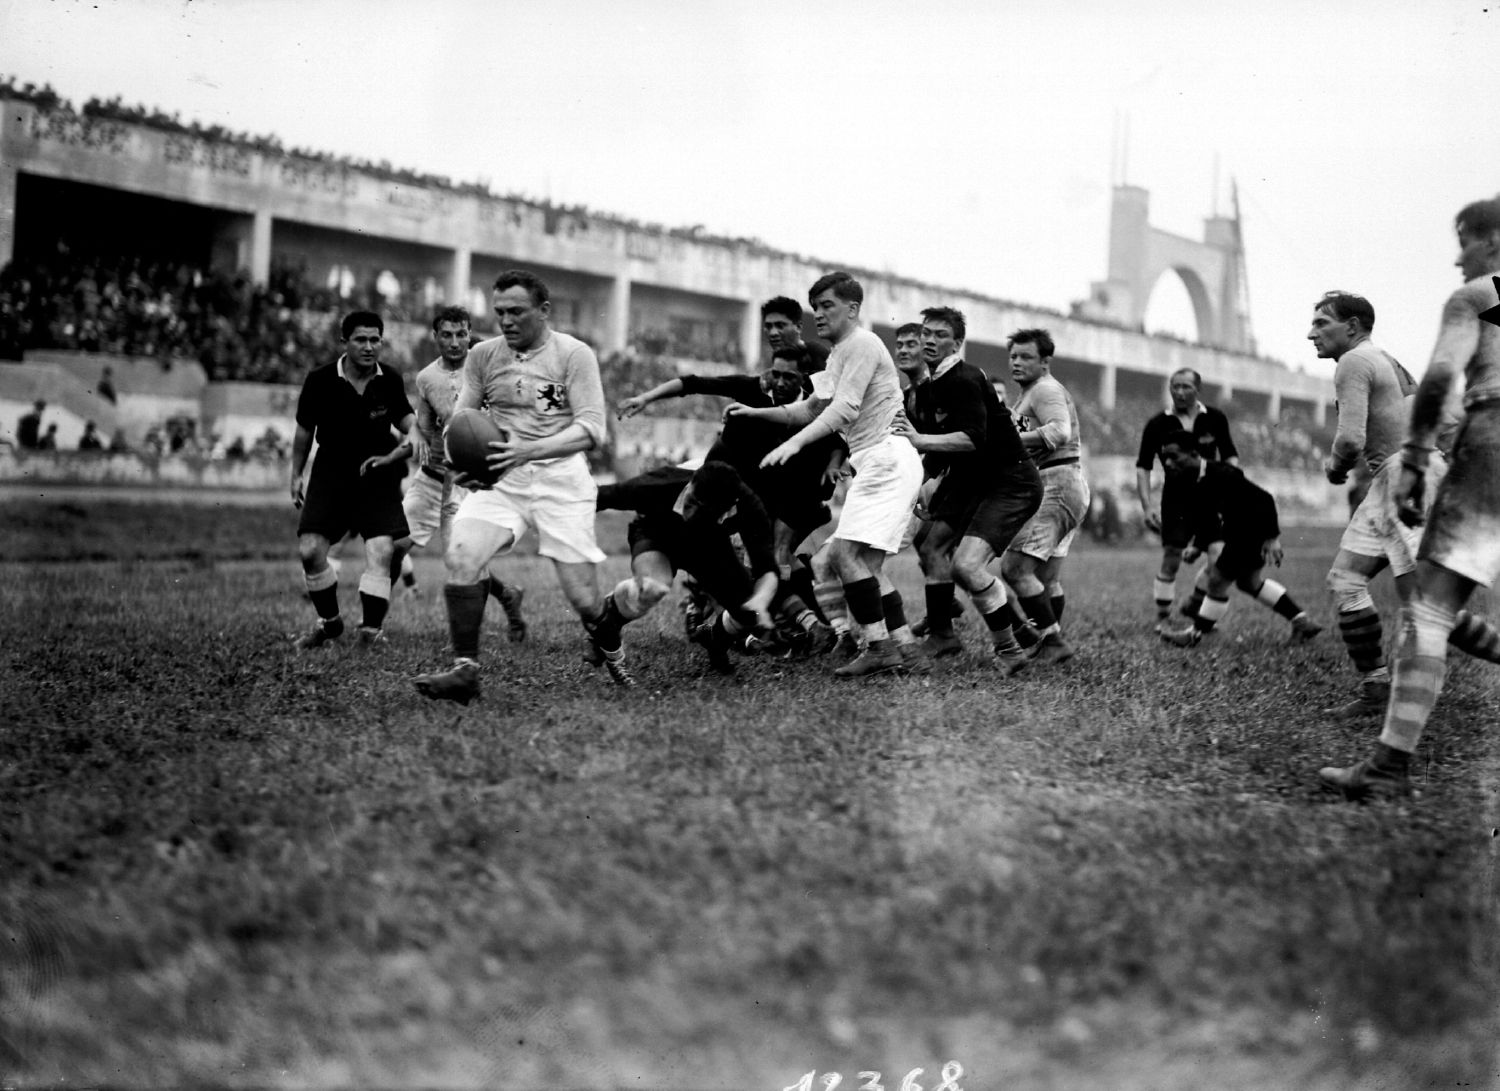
(750, 335)
(1107, 388)
(458, 277)
(1320, 412)
(8, 175)
(617, 331)
(260, 248)
(1273, 406)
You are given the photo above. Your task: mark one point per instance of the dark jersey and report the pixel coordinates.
(1210, 430)
(653, 496)
(745, 389)
(1223, 497)
(349, 426)
(962, 400)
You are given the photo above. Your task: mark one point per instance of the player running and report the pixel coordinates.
(543, 390)
(432, 499)
(1222, 499)
(1460, 550)
(354, 409)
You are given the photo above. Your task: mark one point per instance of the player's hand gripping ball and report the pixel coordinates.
(467, 440)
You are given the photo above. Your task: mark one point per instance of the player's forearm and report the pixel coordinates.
(301, 446)
(944, 443)
(1143, 488)
(1427, 414)
(672, 388)
(765, 590)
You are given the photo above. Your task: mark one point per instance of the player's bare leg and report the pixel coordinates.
(322, 588)
(601, 617)
(470, 547)
(1021, 573)
(512, 600)
(1164, 590)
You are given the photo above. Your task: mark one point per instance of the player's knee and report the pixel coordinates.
(1350, 590)
(1250, 585)
(1428, 624)
(463, 563)
(1171, 562)
(1054, 588)
(379, 551)
(652, 591)
(313, 552)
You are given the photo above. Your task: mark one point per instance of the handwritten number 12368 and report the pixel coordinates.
(870, 1081)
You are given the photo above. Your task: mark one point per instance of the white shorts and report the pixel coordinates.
(1065, 501)
(431, 506)
(878, 506)
(1463, 528)
(557, 497)
(1375, 530)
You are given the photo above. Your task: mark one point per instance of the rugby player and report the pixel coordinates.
(781, 322)
(858, 397)
(685, 520)
(1048, 423)
(1460, 549)
(988, 488)
(543, 390)
(1171, 520)
(355, 410)
(1222, 499)
(1373, 393)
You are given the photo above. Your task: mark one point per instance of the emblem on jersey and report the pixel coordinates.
(551, 398)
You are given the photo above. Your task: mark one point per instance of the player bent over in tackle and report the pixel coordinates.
(1222, 499)
(1460, 549)
(859, 397)
(988, 488)
(350, 407)
(685, 520)
(543, 390)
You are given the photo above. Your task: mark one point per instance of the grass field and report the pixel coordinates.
(223, 864)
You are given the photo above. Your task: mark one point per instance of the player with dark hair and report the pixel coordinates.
(859, 398)
(432, 499)
(1172, 520)
(988, 488)
(1222, 499)
(781, 322)
(355, 410)
(1048, 423)
(685, 520)
(542, 388)
(1460, 550)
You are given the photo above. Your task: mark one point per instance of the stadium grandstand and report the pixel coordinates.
(205, 270)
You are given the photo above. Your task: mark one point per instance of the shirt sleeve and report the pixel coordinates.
(1050, 407)
(856, 370)
(307, 403)
(1351, 386)
(397, 401)
(745, 389)
(754, 527)
(586, 392)
(1457, 341)
(1149, 445)
(966, 413)
(1227, 449)
(426, 418)
(471, 390)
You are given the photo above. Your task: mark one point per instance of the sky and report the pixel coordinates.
(970, 143)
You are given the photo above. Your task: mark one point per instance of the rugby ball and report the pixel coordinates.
(467, 440)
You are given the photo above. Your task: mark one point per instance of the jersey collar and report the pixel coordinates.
(344, 358)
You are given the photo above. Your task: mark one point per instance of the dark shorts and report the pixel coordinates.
(997, 514)
(1240, 557)
(1176, 519)
(710, 559)
(370, 506)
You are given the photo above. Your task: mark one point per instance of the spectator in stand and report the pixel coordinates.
(90, 440)
(29, 430)
(106, 387)
(119, 445)
(48, 442)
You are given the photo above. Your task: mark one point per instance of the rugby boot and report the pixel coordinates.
(712, 638)
(820, 639)
(1304, 629)
(371, 636)
(879, 657)
(1011, 661)
(459, 683)
(846, 646)
(1183, 638)
(614, 663)
(913, 660)
(510, 600)
(322, 632)
(922, 627)
(1383, 775)
(1372, 699)
(941, 645)
(1052, 648)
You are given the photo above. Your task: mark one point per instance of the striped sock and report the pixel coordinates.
(1418, 675)
(1163, 591)
(1363, 638)
(832, 605)
(1476, 636)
